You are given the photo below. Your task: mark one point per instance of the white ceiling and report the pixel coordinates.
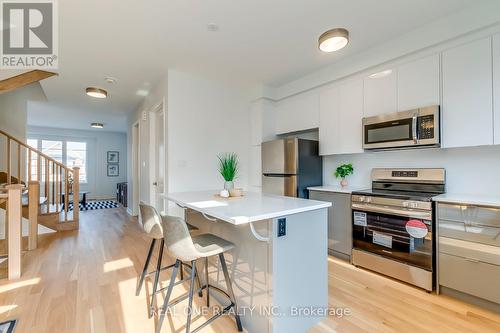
(259, 42)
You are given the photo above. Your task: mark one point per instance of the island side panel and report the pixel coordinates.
(250, 276)
(300, 271)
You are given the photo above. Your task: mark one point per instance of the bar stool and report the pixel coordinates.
(182, 246)
(153, 226)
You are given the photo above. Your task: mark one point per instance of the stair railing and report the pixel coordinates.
(54, 177)
(13, 226)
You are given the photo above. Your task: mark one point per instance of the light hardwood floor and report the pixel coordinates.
(85, 282)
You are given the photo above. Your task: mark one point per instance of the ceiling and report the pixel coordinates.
(258, 42)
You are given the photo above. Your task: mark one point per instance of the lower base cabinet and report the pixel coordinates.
(470, 276)
(339, 222)
(469, 253)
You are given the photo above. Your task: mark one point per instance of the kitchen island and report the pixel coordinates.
(279, 265)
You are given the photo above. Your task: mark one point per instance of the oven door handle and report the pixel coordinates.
(392, 211)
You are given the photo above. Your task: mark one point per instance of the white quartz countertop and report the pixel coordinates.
(337, 188)
(251, 207)
(469, 199)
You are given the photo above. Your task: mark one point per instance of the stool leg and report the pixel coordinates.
(206, 282)
(198, 282)
(191, 291)
(230, 291)
(157, 277)
(166, 300)
(145, 270)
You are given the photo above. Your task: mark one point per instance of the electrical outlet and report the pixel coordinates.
(281, 227)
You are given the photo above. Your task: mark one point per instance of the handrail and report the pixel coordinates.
(56, 178)
(19, 142)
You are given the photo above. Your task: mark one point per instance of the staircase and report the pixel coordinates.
(44, 180)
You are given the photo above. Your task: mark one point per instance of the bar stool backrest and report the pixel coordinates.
(178, 240)
(151, 221)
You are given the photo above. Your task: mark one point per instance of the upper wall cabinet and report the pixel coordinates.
(341, 113)
(467, 110)
(328, 120)
(380, 93)
(262, 121)
(418, 83)
(298, 113)
(496, 86)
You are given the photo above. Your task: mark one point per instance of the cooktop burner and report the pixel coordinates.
(403, 195)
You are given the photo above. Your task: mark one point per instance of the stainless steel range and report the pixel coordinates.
(394, 225)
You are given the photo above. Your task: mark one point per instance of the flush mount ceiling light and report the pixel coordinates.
(213, 27)
(110, 79)
(380, 74)
(333, 40)
(97, 125)
(96, 92)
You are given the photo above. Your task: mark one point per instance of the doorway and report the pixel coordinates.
(136, 185)
(157, 157)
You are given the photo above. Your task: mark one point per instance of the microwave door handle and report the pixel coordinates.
(414, 129)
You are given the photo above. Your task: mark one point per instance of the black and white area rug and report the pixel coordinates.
(8, 326)
(93, 205)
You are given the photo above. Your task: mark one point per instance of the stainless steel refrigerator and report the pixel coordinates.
(291, 165)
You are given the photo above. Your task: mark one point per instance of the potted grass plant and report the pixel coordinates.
(228, 168)
(342, 172)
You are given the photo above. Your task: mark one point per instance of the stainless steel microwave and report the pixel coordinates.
(407, 129)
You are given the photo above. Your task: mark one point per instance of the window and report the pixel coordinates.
(76, 156)
(34, 160)
(70, 153)
(53, 149)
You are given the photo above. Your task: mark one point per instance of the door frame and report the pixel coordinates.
(136, 158)
(160, 107)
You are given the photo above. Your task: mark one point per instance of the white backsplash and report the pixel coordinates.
(473, 170)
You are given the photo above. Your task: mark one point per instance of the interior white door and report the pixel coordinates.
(158, 153)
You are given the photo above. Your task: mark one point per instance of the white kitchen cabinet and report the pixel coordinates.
(262, 121)
(496, 87)
(418, 83)
(467, 110)
(298, 113)
(341, 113)
(380, 92)
(350, 118)
(328, 120)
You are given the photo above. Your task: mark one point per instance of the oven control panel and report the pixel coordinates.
(405, 173)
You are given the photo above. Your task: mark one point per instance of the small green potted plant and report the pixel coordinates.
(228, 168)
(343, 171)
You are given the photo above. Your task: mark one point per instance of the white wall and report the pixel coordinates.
(14, 108)
(98, 144)
(204, 118)
(13, 115)
(472, 170)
